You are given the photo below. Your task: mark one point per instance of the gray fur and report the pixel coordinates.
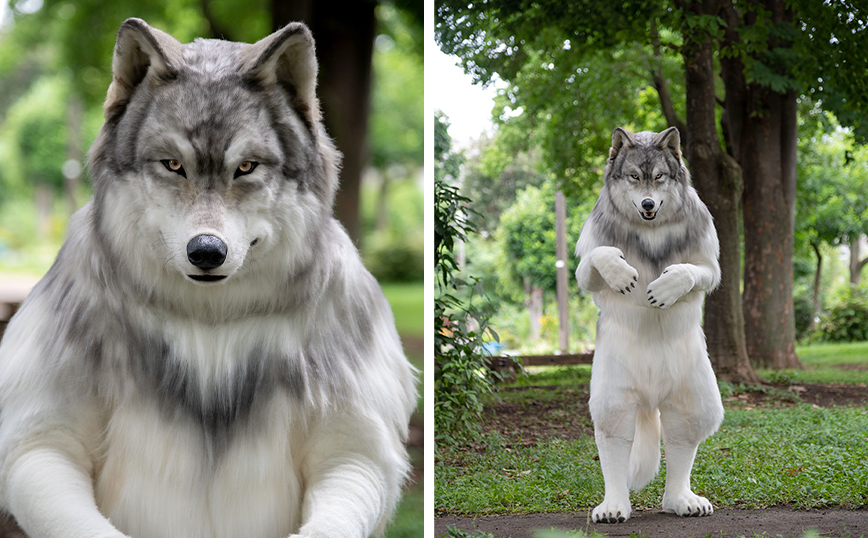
(621, 227)
(206, 93)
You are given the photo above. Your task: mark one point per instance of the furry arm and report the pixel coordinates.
(680, 279)
(606, 266)
(52, 496)
(352, 475)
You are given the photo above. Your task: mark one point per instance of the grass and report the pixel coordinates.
(784, 453)
(822, 365)
(407, 300)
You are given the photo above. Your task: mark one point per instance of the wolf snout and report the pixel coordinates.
(206, 251)
(648, 204)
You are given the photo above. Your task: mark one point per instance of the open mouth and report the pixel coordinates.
(207, 278)
(649, 215)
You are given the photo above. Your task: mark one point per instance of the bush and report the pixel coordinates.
(804, 312)
(847, 321)
(394, 260)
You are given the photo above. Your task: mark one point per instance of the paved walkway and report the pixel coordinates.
(726, 522)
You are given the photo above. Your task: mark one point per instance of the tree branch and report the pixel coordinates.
(662, 87)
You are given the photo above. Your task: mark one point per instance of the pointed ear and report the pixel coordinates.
(140, 51)
(669, 139)
(287, 58)
(620, 138)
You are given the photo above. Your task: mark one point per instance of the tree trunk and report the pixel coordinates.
(717, 179)
(763, 129)
(72, 168)
(815, 296)
(344, 32)
(856, 264)
(534, 304)
(381, 220)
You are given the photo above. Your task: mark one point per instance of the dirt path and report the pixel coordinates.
(727, 522)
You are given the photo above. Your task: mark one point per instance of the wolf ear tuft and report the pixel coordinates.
(287, 58)
(620, 138)
(669, 139)
(140, 51)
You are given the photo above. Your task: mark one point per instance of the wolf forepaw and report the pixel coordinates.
(671, 285)
(611, 512)
(613, 267)
(687, 504)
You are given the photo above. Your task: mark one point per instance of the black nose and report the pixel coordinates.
(648, 204)
(206, 251)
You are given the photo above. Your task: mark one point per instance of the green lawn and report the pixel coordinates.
(407, 301)
(779, 452)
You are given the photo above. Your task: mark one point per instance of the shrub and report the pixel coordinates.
(847, 321)
(394, 260)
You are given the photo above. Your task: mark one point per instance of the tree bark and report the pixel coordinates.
(856, 264)
(344, 32)
(762, 128)
(717, 179)
(534, 304)
(815, 296)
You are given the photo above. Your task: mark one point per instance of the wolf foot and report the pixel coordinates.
(613, 267)
(687, 504)
(611, 512)
(671, 285)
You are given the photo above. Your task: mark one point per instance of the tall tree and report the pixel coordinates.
(761, 123)
(717, 177)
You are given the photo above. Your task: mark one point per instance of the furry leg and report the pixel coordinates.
(52, 497)
(678, 498)
(353, 473)
(614, 460)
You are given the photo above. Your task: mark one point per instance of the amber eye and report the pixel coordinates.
(658, 176)
(634, 176)
(174, 165)
(245, 168)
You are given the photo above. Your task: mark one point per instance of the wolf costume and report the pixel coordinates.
(207, 357)
(649, 253)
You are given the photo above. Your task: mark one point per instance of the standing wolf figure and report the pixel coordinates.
(648, 253)
(207, 357)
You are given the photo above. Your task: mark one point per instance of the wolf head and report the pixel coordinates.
(212, 157)
(644, 175)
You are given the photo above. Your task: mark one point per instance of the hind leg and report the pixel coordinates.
(695, 416)
(614, 428)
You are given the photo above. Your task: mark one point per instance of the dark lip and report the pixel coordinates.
(649, 215)
(207, 278)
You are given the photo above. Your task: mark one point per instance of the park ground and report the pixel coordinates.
(790, 459)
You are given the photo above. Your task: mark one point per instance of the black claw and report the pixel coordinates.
(621, 520)
(649, 292)
(623, 258)
(622, 292)
(662, 304)
(632, 285)
(635, 279)
(666, 271)
(627, 290)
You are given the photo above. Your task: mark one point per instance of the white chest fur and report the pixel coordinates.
(169, 468)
